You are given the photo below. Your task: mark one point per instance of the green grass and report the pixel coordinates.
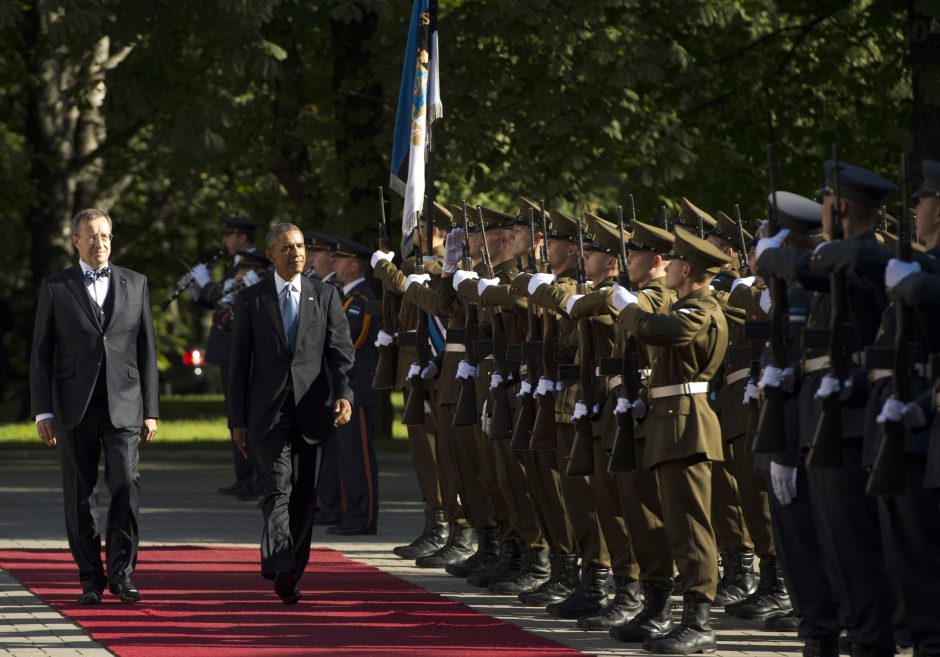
(190, 422)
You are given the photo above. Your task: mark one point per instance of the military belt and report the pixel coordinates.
(614, 381)
(450, 346)
(737, 375)
(883, 373)
(810, 365)
(694, 388)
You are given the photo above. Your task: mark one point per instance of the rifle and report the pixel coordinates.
(186, 280)
(623, 451)
(414, 405)
(884, 219)
(384, 377)
(826, 449)
(531, 350)
(662, 217)
(500, 413)
(581, 458)
(465, 414)
(543, 429)
(770, 435)
(887, 472)
(742, 243)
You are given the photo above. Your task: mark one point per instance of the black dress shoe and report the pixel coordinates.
(285, 585)
(125, 591)
(325, 520)
(339, 530)
(254, 492)
(236, 488)
(89, 598)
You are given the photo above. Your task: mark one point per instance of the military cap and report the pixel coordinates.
(524, 206)
(689, 215)
(797, 213)
(240, 224)
(443, 218)
(457, 212)
(347, 248)
(726, 228)
(856, 184)
(650, 238)
(562, 227)
(252, 259)
(931, 184)
(701, 253)
(491, 218)
(601, 235)
(316, 240)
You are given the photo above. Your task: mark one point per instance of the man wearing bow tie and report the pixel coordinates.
(288, 391)
(93, 384)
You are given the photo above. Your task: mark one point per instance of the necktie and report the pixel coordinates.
(289, 315)
(94, 274)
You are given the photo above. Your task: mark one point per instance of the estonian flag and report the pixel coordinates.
(419, 104)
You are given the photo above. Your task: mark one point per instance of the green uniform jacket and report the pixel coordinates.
(689, 343)
(554, 298)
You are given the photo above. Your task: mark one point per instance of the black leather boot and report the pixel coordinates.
(534, 572)
(789, 622)
(769, 600)
(459, 548)
(514, 566)
(431, 539)
(871, 650)
(589, 597)
(738, 578)
(486, 553)
(693, 635)
(625, 605)
(482, 579)
(653, 621)
(559, 585)
(821, 646)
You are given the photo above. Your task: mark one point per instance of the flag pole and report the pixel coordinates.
(429, 161)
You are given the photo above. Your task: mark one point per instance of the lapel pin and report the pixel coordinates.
(309, 298)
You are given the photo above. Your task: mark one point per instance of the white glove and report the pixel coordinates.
(783, 481)
(384, 339)
(830, 385)
(430, 371)
(623, 406)
(228, 283)
(484, 283)
(544, 387)
(485, 419)
(621, 297)
(751, 391)
(638, 409)
(898, 270)
(525, 388)
(495, 380)
(766, 303)
(226, 300)
(774, 242)
(416, 279)
(414, 370)
(571, 301)
(250, 278)
(200, 274)
(465, 370)
(381, 255)
(540, 279)
(453, 249)
(749, 281)
(580, 410)
(193, 290)
(911, 414)
(460, 276)
(774, 377)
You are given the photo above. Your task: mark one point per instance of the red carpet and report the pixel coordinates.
(212, 602)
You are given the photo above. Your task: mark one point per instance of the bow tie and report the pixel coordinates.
(94, 275)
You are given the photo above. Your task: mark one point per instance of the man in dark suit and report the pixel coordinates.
(350, 459)
(238, 234)
(93, 383)
(288, 391)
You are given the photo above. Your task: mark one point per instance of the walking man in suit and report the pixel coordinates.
(93, 384)
(288, 391)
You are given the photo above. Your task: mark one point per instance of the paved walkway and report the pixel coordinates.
(180, 506)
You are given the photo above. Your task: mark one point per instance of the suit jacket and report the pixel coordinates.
(262, 370)
(363, 330)
(70, 346)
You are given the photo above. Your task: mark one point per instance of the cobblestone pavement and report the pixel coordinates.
(180, 506)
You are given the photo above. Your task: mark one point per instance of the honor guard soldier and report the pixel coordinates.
(319, 246)
(683, 435)
(349, 462)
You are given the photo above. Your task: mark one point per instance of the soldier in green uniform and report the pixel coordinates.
(683, 434)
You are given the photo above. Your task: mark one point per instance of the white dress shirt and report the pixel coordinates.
(280, 284)
(350, 286)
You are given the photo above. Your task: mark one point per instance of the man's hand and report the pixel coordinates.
(343, 412)
(46, 431)
(149, 430)
(240, 438)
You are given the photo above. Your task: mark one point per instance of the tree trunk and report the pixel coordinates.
(924, 40)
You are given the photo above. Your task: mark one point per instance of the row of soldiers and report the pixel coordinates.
(586, 404)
